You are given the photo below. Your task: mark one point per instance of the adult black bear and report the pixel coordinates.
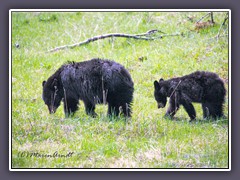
(94, 81)
(201, 87)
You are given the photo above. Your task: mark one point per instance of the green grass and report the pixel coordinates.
(147, 140)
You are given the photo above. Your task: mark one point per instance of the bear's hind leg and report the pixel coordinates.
(214, 110)
(120, 103)
(113, 110)
(126, 109)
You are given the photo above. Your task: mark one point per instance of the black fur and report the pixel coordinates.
(201, 87)
(94, 81)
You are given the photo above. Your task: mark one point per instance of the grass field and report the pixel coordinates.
(147, 140)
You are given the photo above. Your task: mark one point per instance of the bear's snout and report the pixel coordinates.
(52, 110)
(161, 105)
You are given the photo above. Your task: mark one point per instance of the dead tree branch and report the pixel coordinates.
(149, 35)
(212, 20)
(223, 23)
(205, 16)
(226, 18)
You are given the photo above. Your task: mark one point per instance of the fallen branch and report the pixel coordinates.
(212, 18)
(205, 16)
(224, 21)
(215, 37)
(200, 25)
(226, 18)
(144, 36)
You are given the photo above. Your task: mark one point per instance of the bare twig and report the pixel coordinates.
(104, 93)
(175, 88)
(144, 36)
(224, 21)
(200, 25)
(226, 18)
(190, 18)
(212, 18)
(223, 35)
(203, 17)
(65, 101)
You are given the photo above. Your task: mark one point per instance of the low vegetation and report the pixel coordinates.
(147, 140)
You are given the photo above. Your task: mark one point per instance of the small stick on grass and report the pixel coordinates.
(144, 36)
(203, 17)
(223, 23)
(212, 20)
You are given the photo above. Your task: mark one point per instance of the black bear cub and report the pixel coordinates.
(200, 87)
(94, 81)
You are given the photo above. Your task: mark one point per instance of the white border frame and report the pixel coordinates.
(116, 10)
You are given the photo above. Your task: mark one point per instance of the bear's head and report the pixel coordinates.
(52, 94)
(160, 93)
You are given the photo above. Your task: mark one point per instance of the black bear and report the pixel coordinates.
(200, 87)
(94, 82)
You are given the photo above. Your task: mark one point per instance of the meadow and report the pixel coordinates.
(147, 140)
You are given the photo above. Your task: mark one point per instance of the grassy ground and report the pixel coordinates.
(147, 140)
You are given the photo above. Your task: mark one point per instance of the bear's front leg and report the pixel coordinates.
(70, 106)
(90, 109)
(190, 110)
(173, 106)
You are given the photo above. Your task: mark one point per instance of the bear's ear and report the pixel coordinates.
(156, 85)
(43, 83)
(161, 80)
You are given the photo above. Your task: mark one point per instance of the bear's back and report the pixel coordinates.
(88, 78)
(203, 78)
(206, 78)
(196, 84)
